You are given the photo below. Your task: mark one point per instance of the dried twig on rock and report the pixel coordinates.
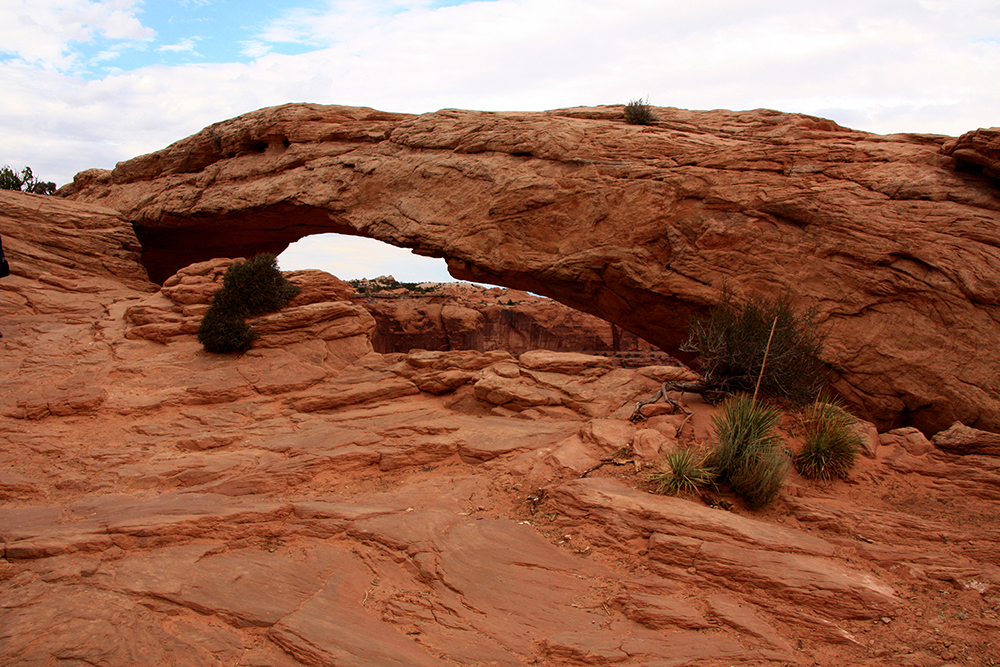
(710, 391)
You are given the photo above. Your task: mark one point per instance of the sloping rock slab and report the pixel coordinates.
(727, 548)
(42, 624)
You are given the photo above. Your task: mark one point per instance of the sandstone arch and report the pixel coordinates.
(894, 239)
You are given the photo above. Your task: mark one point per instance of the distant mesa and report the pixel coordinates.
(463, 316)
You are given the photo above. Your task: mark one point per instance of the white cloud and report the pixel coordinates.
(42, 32)
(877, 65)
(186, 45)
(351, 257)
(254, 49)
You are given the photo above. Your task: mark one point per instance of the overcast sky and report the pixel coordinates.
(86, 84)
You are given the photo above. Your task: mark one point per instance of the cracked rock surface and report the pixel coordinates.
(894, 240)
(315, 503)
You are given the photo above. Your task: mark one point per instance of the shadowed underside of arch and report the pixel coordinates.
(895, 240)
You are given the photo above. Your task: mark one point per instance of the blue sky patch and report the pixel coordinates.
(222, 31)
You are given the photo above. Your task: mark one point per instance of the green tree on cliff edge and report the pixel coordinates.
(24, 181)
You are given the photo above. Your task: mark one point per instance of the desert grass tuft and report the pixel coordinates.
(831, 444)
(749, 455)
(682, 471)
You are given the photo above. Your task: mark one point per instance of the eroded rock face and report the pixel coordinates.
(319, 315)
(67, 254)
(467, 317)
(977, 151)
(893, 239)
(300, 505)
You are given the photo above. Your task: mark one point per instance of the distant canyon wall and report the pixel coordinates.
(493, 319)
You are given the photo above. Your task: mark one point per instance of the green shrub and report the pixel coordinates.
(831, 444)
(250, 288)
(732, 340)
(222, 332)
(257, 286)
(749, 455)
(682, 471)
(24, 181)
(638, 112)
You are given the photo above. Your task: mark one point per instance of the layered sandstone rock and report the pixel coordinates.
(300, 505)
(893, 239)
(319, 314)
(462, 316)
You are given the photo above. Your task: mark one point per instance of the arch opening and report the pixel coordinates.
(176, 241)
(417, 304)
(357, 257)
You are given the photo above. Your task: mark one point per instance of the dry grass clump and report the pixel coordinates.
(638, 112)
(831, 444)
(749, 455)
(682, 471)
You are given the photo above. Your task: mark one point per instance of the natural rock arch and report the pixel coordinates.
(894, 239)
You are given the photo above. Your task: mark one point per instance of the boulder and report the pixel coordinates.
(911, 439)
(962, 439)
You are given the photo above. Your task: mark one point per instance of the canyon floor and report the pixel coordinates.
(312, 502)
(166, 506)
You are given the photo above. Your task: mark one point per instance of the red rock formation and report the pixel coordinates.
(977, 151)
(892, 238)
(462, 316)
(319, 315)
(314, 503)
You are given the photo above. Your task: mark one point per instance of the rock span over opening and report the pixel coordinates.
(895, 240)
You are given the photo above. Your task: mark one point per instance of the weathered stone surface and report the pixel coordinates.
(13, 485)
(887, 236)
(962, 439)
(327, 321)
(57, 246)
(741, 617)
(83, 625)
(332, 397)
(333, 628)
(648, 444)
(567, 363)
(441, 382)
(660, 611)
(726, 547)
(634, 514)
(194, 516)
(911, 439)
(967, 474)
(585, 384)
(868, 437)
(980, 148)
(247, 587)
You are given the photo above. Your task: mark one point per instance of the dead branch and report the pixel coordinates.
(711, 392)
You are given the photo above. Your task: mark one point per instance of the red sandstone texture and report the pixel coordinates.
(313, 502)
(895, 240)
(463, 316)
